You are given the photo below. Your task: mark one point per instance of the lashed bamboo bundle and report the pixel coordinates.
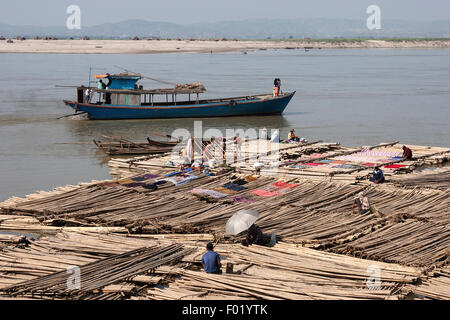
(410, 242)
(100, 273)
(439, 180)
(435, 287)
(318, 213)
(287, 272)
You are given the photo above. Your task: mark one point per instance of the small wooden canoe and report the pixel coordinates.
(120, 146)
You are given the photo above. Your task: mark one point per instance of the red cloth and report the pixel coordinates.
(394, 166)
(284, 185)
(313, 164)
(368, 164)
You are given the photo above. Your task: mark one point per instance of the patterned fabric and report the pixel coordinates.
(240, 199)
(211, 193)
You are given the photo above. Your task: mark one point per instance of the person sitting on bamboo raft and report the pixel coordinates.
(378, 176)
(254, 236)
(292, 136)
(407, 153)
(362, 202)
(211, 260)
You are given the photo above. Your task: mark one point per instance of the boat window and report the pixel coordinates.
(125, 99)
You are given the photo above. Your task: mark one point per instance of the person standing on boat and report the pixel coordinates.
(101, 85)
(88, 95)
(277, 87)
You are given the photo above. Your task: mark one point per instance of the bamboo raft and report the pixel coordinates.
(325, 247)
(36, 271)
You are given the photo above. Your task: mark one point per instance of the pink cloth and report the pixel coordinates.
(265, 193)
(368, 164)
(314, 164)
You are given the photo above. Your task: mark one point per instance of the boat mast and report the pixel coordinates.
(89, 82)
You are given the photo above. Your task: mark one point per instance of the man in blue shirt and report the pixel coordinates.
(378, 176)
(211, 260)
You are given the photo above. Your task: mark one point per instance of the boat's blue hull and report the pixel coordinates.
(272, 106)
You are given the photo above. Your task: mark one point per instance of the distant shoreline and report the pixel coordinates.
(207, 46)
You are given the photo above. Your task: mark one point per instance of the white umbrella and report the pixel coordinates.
(241, 221)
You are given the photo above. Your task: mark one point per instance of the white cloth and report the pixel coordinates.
(275, 136)
(263, 134)
(190, 150)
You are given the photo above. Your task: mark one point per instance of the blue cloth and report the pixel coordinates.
(209, 260)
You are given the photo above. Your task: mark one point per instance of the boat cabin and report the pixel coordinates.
(122, 89)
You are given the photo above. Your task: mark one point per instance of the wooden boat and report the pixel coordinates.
(120, 146)
(123, 99)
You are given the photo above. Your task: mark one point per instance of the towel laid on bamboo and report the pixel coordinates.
(339, 161)
(233, 186)
(225, 190)
(240, 199)
(368, 164)
(394, 166)
(144, 177)
(150, 186)
(284, 185)
(133, 184)
(179, 179)
(265, 193)
(212, 193)
(343, 166)
(240, 182)
(125, 181)
(250, 178)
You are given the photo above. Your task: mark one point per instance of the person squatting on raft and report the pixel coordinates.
(378, 176)
(362, 202)
(211, 260)
(407, 153)
(254, 236)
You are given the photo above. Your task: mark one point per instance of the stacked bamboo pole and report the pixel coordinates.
(101, 273)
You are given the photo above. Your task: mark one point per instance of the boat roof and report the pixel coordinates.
(119, 76)
(150, 91)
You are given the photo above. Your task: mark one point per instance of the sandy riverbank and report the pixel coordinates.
(164, 46)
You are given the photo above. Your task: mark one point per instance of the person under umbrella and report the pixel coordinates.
(254, 236)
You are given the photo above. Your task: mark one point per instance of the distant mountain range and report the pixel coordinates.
(246, 29)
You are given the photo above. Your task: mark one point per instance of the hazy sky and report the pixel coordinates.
(53, 12)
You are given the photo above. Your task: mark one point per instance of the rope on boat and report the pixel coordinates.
(157, 80)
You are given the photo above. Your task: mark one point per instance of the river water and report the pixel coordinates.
(355, 97)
